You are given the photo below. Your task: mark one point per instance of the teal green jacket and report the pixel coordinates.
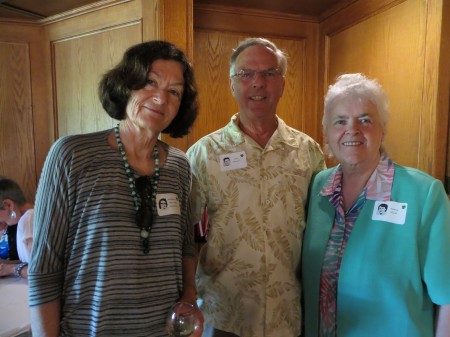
(391, 274)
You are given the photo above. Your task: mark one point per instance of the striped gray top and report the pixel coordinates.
(87, 248)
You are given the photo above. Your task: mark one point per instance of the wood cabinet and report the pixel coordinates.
(404, 44)
(49, 70)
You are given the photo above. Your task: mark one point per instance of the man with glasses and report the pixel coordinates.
(246, 276)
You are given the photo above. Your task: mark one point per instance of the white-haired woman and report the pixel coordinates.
(370, 273)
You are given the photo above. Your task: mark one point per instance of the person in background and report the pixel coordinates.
(365, 273)
(247, 270)
(105, 261)
(18, 215)
(4, 247)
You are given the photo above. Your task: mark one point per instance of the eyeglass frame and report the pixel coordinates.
(266, 74)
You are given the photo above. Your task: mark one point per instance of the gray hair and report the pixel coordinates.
(259, 41)
(357, 85)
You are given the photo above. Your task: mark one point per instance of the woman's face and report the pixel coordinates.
(156, 105)
(5, 213)
(354, 132)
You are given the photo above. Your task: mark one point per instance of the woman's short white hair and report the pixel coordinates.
(356, 85)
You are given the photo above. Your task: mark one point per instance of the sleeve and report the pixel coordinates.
(435, 244)
(197, 199)
(188, 242)
(46, 270)
(26, 228)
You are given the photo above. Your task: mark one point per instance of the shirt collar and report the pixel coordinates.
(378, 187)
(283, 134)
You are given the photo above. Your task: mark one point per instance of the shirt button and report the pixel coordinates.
(267, 201)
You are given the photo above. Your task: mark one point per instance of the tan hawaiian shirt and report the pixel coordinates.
(247, 274)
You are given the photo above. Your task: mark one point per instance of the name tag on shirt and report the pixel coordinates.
(233, 161)
(390, 211)
(167, 203)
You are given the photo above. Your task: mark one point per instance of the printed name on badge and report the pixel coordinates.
(233, 161)
(390, 211)
(167, 203)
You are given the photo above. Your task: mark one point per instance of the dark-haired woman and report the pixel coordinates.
(107, 261)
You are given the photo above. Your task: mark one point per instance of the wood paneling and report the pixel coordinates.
(217, 31)
(63, 55)
(390, 47)
(397, 42)
(176, 26)
(16, 118)
(403, 43)
(37, 63)
(217, 105)
(436, 92)
(85, 45)
(444, 79)
(79, 64)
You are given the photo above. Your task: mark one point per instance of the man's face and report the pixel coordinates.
(257, 97)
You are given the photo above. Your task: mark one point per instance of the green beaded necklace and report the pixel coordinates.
(154, 180)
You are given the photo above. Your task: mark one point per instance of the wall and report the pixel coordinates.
(50, 69)
(24, 103)
(401, 44)
(15, 102)
(217, 31)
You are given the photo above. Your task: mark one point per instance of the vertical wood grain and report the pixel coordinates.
(16, 122)
(436, 89)
(79, 63)
(176, 26)
(217, 30)
(389, 46)
(217, 105)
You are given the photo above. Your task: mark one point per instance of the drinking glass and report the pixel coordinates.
(182, 320)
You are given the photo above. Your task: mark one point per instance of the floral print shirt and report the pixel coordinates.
(247, 274)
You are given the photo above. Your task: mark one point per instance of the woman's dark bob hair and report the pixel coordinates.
(131, 74)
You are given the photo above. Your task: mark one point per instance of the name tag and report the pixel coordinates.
(167, 203)
(233, 161)
(390, 211)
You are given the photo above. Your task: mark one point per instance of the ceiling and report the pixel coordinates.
(40, 9)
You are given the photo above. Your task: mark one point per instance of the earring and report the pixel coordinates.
(13, 215)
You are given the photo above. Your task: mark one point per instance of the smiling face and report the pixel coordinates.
(257, 97)
(354, 132)
(156, 104)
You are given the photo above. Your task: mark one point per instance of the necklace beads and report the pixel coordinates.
(144, 228)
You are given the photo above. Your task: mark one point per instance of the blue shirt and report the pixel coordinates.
(390, 274)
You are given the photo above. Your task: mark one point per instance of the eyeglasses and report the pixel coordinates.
(144, 215)
(247, 75)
